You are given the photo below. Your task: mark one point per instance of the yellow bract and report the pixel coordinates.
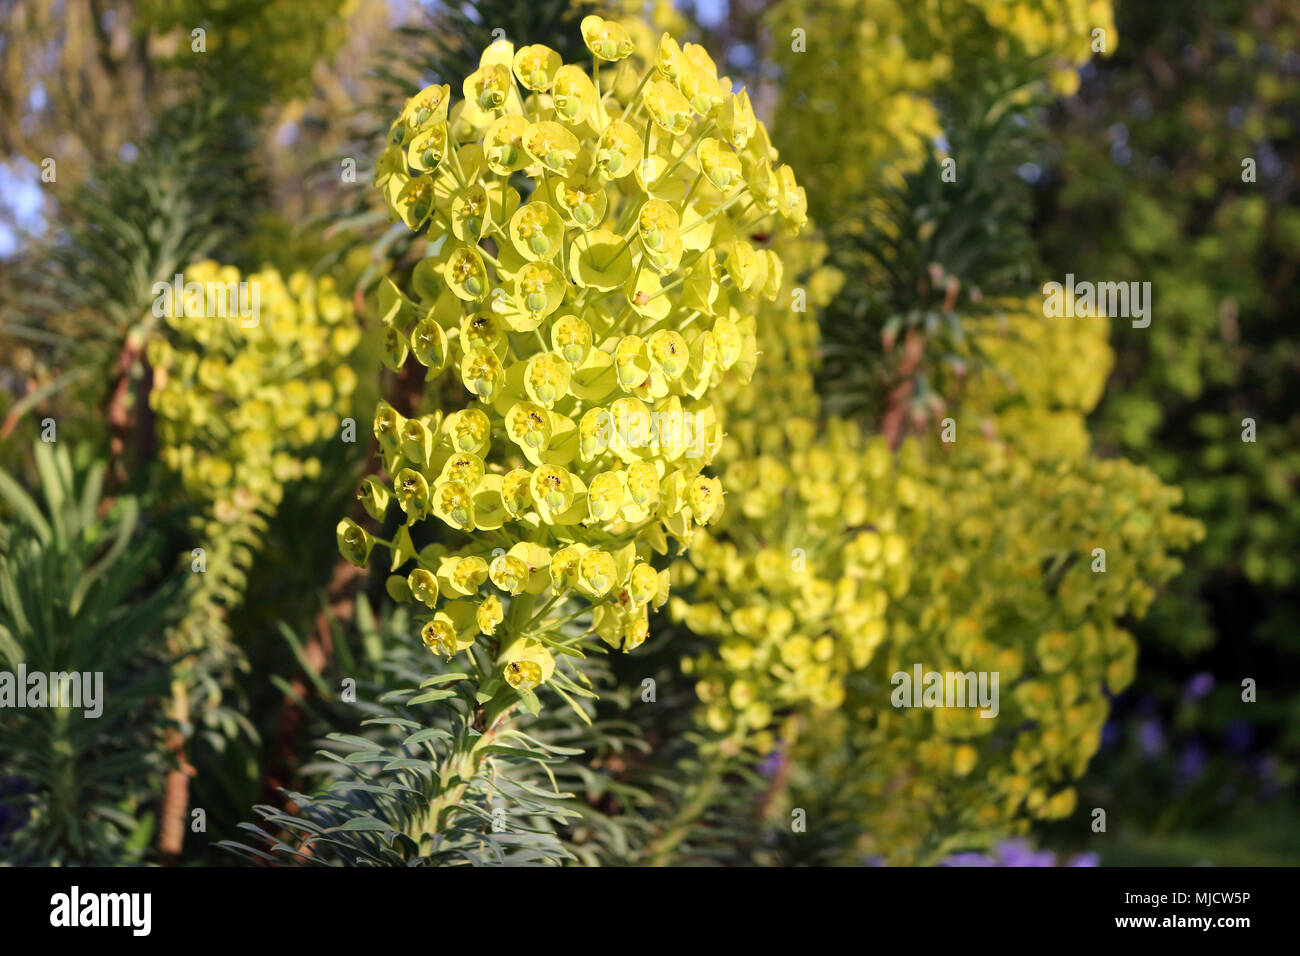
(565, 212)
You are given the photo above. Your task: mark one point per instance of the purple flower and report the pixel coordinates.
(1199, 685)
(1268, 768)
(1020, 853)
(1150, 737)
(771, 764)
(1017, 852)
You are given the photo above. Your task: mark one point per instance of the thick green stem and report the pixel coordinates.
(461, 764)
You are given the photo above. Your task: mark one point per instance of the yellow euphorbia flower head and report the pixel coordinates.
(597, 250)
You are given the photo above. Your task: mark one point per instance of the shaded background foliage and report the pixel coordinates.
(1145, 179)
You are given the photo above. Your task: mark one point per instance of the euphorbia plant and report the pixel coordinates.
(241, 401)
(590, 280)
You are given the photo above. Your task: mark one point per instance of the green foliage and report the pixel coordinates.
(406, 783)
(923, 258)
(77, 595)
(1177, 165)
(1145, 193)
(263, 49)
(424, 780)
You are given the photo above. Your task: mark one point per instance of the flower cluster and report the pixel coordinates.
(797, 585)
(1032, 382)
(1007, 579)
(1066, 33)
(759, 418)
(278, 41)
(591, 278)
(240, 394)
(839, 564)
(881, 62)
(794, 582)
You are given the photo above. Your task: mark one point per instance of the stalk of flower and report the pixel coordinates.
(248, 374)
(590, 283)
